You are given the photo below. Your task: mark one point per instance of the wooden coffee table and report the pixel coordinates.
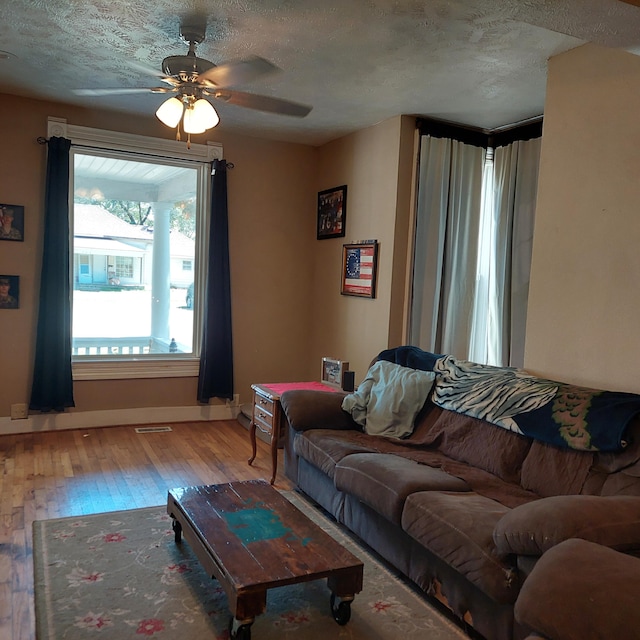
(250, 538)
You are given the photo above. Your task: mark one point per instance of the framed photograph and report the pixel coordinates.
(359, 268)
(332, 212)
(9, 292)
(332, 371)
(12, 222)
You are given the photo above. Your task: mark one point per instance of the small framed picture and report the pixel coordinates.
(332, 371)
(359, 268)
(332, 212)
(9, 292)
(12, 222)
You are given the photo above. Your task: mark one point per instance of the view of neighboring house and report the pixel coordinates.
(108, 250)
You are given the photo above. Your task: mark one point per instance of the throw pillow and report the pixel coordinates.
(388, 400)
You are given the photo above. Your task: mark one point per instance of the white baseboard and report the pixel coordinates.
(115, 417)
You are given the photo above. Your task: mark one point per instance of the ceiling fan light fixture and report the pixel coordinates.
(190, 123)
(170, 112)
(202, 114)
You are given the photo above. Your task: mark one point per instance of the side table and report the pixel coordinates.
(266, 414)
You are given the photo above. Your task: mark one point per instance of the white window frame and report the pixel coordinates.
(152, 365)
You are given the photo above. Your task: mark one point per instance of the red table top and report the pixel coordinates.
(280, 387)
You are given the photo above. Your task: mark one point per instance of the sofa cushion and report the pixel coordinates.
(458, 528)
(550, 471)
(383, 481)
(477, 443)
(532, 529)
(324, 448)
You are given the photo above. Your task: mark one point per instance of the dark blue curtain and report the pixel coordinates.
(216, 358)
(52, 378)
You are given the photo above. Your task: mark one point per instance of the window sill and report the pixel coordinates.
(129, 369)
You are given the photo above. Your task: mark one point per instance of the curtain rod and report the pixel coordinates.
(43, 140)
(478, 137)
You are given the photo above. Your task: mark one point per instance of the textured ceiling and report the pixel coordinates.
(476, 62)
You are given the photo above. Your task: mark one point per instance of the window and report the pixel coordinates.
(124, 267)
(138, 224)
(131, 219)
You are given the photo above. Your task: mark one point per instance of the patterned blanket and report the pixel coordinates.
(561, 414)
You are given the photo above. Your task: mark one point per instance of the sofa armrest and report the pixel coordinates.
(580, 589)
(535, 527)
(306, 409)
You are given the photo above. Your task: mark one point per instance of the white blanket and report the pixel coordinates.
(388, 400)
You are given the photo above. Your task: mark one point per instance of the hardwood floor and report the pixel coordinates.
(68, 473)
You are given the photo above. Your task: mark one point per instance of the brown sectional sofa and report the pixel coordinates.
(463, 508)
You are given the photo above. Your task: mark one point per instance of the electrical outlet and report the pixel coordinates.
(19, 411)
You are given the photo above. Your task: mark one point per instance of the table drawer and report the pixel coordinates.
(263, 412)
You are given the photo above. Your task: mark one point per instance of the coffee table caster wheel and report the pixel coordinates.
(177, 531)
(340, 610)
(239, 631)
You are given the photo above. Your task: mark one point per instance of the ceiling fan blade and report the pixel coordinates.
(233, 73)
(121, 92)
(143, 68)
(150, 72)
(635, 3)
(262, 103)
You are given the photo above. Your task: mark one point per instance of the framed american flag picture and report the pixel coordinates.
(359, 268)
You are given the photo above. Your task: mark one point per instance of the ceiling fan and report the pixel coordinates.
(192, 79)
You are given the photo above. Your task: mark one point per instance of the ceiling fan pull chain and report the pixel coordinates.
(188, 141)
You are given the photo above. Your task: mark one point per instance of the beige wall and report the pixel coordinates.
(377, 166)
(584, 300)
(271, 229)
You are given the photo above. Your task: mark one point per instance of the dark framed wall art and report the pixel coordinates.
(12, 222)
(359, 269)
(9, 292)
(332, 212)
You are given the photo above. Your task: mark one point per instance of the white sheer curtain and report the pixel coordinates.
(447, 227)
(474, 232)
(485, 309)
(516, 186)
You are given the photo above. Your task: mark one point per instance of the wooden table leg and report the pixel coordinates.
(252, 437)
(275, 437)
(274, 458)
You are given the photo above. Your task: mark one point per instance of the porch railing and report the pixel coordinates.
(119, 346)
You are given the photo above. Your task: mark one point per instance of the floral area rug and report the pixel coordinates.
(120, 575)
